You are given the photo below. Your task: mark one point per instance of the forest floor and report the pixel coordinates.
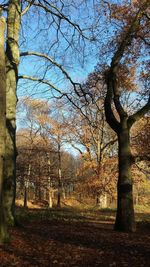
(71, 237)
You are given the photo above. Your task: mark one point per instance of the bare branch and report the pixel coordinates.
(57, 65)
(46, 82)
(75, 147)
(110, 143)
(48, 7)
(62, 94)
(27, 7)
(144, 40)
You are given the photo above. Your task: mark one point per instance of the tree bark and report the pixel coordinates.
(125, 220)
(4, 237)
(25, 197)
(59, 194)
(26, 187)
(50, 199)
(59, 178)
(12, 62)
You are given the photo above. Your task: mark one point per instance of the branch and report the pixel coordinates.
(75, 147)
(36, 79)
(147, 16)
(27, 8)
(46, 82)
(145, 172)
(113, 82)
(3, 7)
(137, 159)
(60, 15)
(109, 143)
(57, 65)
(110, 118)
(144, 40)
(139, 114)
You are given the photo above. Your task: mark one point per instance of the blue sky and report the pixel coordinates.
(78, 61)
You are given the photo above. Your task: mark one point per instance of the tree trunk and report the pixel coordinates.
(50, 198)
(59, 194)
(50, 202)
(39, 190)
(26, 187)
(125, 220)
(25, 197)
(12, 62)
(50, 195)
(59, 178)
(136, 192)
(101, 200)
(3, 227)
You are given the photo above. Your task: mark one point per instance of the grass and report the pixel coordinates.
(87, 215)
(64, 214)
(74, 211)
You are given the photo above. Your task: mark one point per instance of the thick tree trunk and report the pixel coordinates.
(12, 62)
(125, 220)
(3, 227)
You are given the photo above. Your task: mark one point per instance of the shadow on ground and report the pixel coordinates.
(72, 238)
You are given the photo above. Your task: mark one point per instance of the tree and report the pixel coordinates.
(63, 29)
(33, 170)
(54, 126)
(91, 136)
(3, 225)
(36, 149)
(45, 131)
(12, 61)
(125, 220)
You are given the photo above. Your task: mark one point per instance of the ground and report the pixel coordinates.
(70, 237)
